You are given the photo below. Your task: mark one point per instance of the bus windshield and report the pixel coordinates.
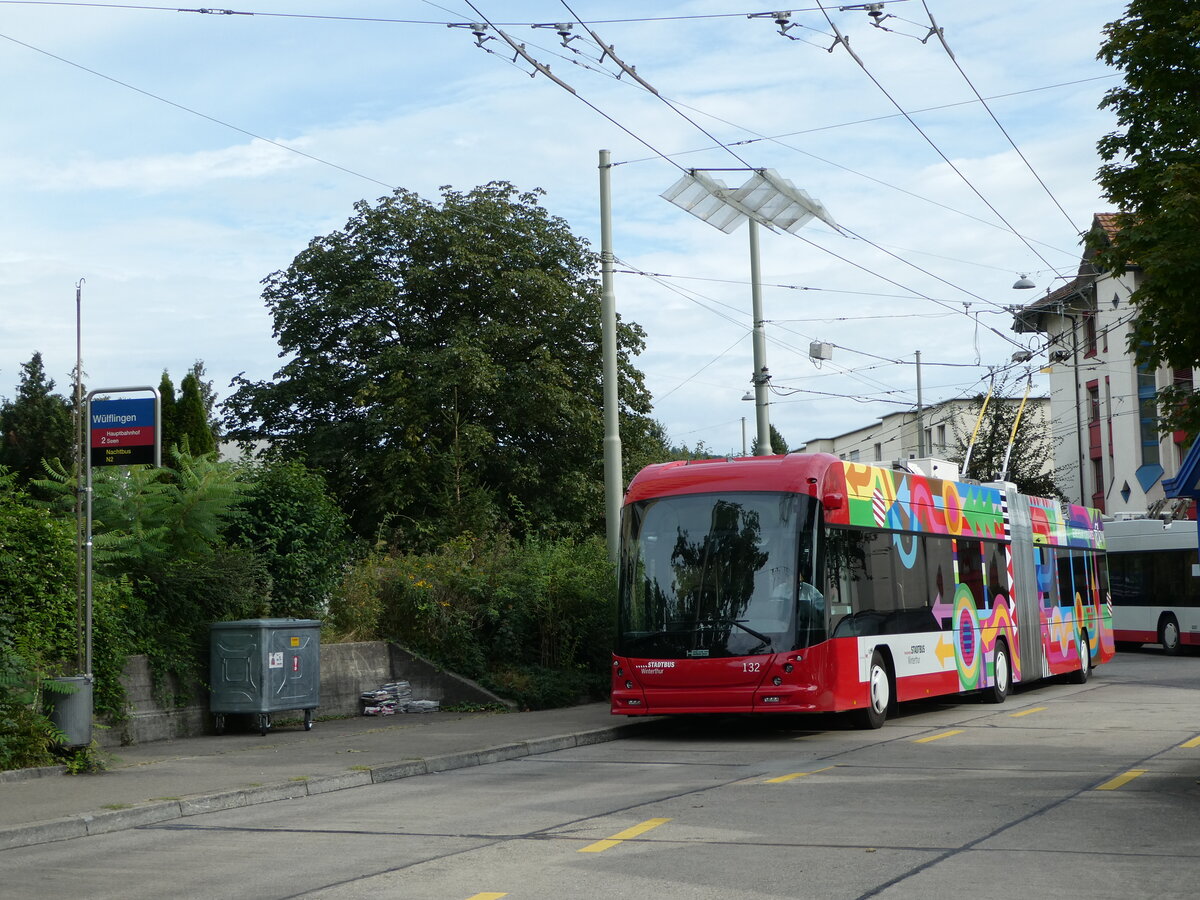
(718, 575)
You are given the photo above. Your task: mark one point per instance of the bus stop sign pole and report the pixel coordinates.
(122, 432)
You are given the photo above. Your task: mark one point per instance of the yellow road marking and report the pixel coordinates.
(782, 778)
(627, 834)
(488, 896)
(938, 737)
(1192, 744)
(1121, 780)
(1030, 711)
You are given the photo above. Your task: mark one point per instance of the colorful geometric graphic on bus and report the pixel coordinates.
(1002, 622)
(1061, 637)
(885, 498)
(1081, 528)
(966, 630)
(1014, 645)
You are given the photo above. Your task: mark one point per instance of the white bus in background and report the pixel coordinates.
(1155, 581)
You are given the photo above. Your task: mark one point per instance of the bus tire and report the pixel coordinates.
(1080, 675)
(1168, 635)
(997, 692)
(879, 695)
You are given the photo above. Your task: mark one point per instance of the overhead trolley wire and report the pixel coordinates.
(194, 112)
(942, 39)
(647, 86)
(841, 39)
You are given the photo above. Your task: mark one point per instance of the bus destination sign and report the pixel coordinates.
(123, 432)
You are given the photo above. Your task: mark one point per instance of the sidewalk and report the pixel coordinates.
(164, 780)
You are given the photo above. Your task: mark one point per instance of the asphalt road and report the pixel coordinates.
(1065, 791)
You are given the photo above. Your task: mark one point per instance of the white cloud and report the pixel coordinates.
(161, 173)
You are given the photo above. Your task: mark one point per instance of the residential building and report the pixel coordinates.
(1115, 457)
(895, 436)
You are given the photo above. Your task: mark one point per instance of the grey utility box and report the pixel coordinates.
(261, 666)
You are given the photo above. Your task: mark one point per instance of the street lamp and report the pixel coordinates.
(765, 199)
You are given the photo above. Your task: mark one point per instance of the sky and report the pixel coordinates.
(158, 164)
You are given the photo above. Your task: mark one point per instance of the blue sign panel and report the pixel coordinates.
(123, 432)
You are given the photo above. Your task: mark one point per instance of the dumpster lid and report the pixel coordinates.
(268, 623)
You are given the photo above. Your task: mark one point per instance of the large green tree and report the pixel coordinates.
(1151, 173)
(36, 424)
(187, 418)
(191, 418)
(291, 523)
(444, 366)
(168, 429)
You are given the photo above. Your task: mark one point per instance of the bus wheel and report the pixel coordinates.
(1080, 675)
(879, 695)
(998, 691)
(1168, 635)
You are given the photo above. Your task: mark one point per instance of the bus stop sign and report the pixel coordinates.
(123, 432)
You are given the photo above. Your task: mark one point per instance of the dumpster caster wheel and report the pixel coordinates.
(264, 724)
(308, 722)
(219, 724)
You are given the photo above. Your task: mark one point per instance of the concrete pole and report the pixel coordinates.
(761, 376)
(80, 432)
(920, 413)
(608, 328)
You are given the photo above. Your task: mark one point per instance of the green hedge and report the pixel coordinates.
(531, 620)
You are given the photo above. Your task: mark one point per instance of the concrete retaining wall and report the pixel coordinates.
(346, 671)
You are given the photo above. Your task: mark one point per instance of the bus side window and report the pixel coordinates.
(997, 573)
(844, 573)
(1046, 568)
(970, 569)
(1101, 564)
(939, 560)
(1070, 577)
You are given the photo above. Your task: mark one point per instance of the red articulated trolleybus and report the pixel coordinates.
(805, 583)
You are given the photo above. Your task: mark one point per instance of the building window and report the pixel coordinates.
(853, 456)
(1089, 333)
(941, 436)
(1148, 414)
(879, 453)
(1098, 483)
(1093, 396)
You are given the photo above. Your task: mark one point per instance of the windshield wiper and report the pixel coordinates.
(746, 628)
(638, 639)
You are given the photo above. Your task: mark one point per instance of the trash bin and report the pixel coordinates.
(261, 666)
(71, 712)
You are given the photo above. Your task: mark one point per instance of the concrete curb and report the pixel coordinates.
(154, 813)
(13, 775)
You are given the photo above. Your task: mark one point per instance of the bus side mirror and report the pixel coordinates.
(833, 500)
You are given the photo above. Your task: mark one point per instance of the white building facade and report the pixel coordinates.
(1115, 457)
(898, 436)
